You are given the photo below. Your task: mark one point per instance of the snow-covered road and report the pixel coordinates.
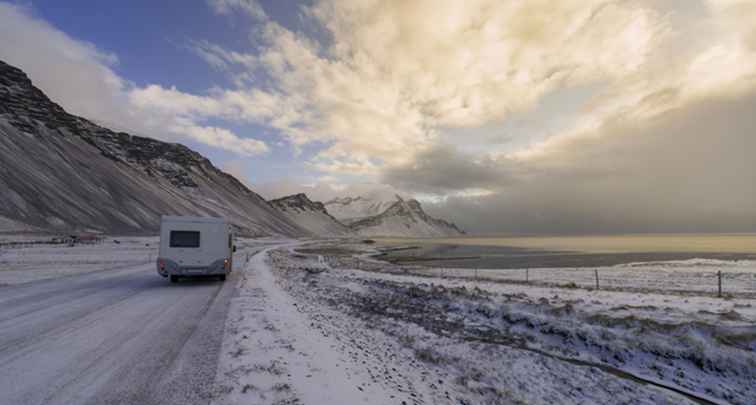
(274, 353)
(114, 336)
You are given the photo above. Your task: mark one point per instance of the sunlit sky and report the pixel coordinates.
(524, 116)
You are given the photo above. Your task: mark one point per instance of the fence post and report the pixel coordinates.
(597, 281)
(719, 276)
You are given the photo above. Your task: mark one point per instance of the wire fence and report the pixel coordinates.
(737, 280)
(708, 281)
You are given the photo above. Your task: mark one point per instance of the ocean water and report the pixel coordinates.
(569, 251)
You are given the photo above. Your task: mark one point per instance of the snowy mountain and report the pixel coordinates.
(310, 215)
(351, 209)
(404, 218)
(62, 172)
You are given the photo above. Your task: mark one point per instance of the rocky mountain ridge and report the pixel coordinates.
(351, 209)
(405, 218)
(312, 215)
(63, 172)
(402, 217)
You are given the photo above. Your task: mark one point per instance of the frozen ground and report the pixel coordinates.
(691, 276)
(341, 328)
(32, 262)
(309, 322)
(696, 276)
(276, 353)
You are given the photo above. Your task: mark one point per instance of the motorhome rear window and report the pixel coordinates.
(185, 239)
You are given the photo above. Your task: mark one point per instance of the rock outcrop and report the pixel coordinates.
(311, 215)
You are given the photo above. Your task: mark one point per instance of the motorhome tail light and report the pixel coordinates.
(162, 264)
(225, 263)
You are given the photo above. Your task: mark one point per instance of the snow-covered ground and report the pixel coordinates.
(33, 261)
(695, 275)
(323, 322)
(360, 331)
(275, 353)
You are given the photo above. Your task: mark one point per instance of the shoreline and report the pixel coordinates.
(631, 243)
(500, 254)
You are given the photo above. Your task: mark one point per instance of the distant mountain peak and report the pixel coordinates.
(311, 215)
(405, 218)
(299, 201)
(345, 200)
(397, 216)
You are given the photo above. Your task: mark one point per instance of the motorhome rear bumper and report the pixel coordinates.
(166, 267)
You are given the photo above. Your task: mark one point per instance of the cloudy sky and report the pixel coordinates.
(537, 116)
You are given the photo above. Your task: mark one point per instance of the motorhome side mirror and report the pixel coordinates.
(234, 249)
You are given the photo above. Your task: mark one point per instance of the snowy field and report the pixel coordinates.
(324, 322)
(34, 261)
(694, 276)
(698, 276)
(338, 327)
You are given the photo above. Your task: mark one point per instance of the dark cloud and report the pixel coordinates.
(443, 169)
(691, 169)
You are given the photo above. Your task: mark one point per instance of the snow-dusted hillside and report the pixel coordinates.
(351, 209)
(59, 171)
(310, 215)
(404, 218)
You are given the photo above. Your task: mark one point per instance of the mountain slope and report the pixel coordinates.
(351, 209)
(59, 171)
(404, 218)
(310, 215)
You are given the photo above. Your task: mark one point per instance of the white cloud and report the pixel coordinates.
(397, 73)
(171, 101)
(250, 7)
(224, 139)
(81, 78)
(220, 58)
(72, 72)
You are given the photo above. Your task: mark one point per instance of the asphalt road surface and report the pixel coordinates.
(111, 337)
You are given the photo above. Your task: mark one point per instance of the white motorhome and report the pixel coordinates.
(195, 246)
